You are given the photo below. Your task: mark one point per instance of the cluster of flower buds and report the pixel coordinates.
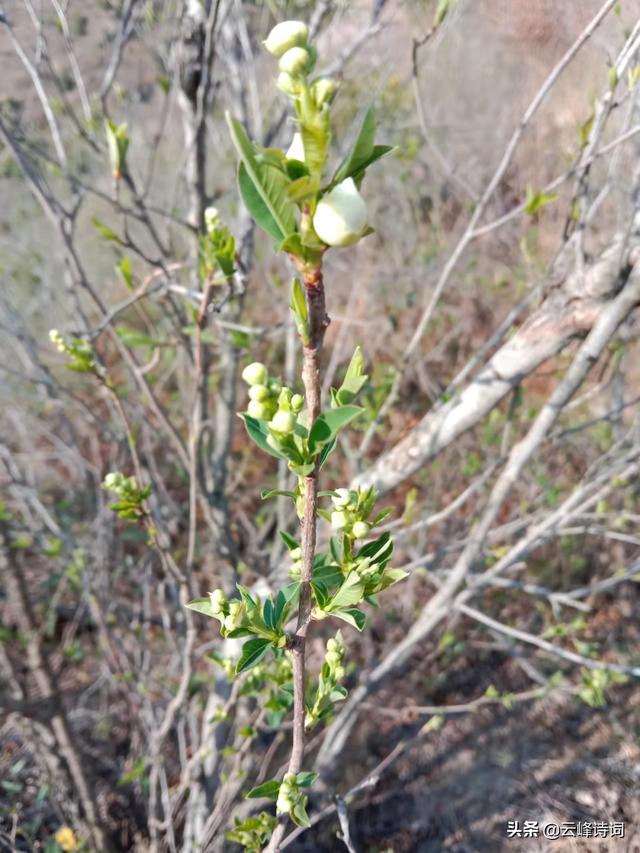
(350, 513)
(289, 794)
(289, 42)
(270, 401)
(230, 613)
(329, 689)
(122, 486)
(335, 657)
(78, 349)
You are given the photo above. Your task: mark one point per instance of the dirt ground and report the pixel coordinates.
(554, 762)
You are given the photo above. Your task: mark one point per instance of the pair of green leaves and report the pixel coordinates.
(363, 153)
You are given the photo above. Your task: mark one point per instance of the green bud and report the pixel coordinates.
(258, 410)
(287, 84)
(284, 422)
(259, 393)
(360, 529)
(297, 402)
(284, 399)
(332, 644)
(296, 62)
(255, 374)
(296, 554)
(323, 91)
(286, 35)
(274, 386)
(339, 519)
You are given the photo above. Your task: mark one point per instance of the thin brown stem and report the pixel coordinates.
(318, 322)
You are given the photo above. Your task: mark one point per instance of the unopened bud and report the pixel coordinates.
(255, 374)
(297, 62)
(339, 520)
(323, 91)
(360, 529)
(285, 36)
(297, 402)
(341, 215)
(259, 393)
(258, 410)
(284, 422)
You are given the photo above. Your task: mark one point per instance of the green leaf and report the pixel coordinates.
(105, 232)
(298, 305)
(289, 541)
(351, 592)
(299, 814)
(362, 150)
(306, 778)
(329, 575)
(327, 450)
(252, 651)
(535, 201)
(353, 381)
(258, 432)
(126, 273)
(389, 577)
(304, 188)
(272, 493)
(379, 151)
(327, 425)
(249, 602)
(134, 338)
(378, 550)
(320, 593)
(268, 614)
(263, 187)
(268, 790)
(201, 605)
(352, 616)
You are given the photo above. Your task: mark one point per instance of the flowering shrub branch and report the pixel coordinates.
(305, 214)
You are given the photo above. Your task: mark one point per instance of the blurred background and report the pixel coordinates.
(117, 721)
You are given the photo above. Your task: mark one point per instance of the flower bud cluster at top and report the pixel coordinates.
(289, 795)
(270, 401)
(350, 513)
(340, 217)
(230, 613)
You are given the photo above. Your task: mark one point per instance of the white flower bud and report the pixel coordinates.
(296, 62)
(258, 410)
(286, 35)
(218, 600)
(296, 554)
(255, 374)
(284, 422)
(341, 215)
(259, 393)
(360, 529)
(296, 149)
(297, 402)
(341, 498)
(211, 218)
(339, 519)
